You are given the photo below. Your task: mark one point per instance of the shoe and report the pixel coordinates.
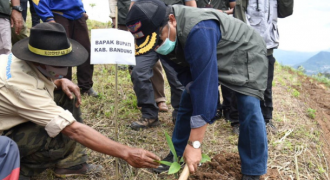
(250, 177)
(162, 167)
(218, 115)
(144, 123)
(90, 92)
(162, 107)
(78, 170)
(270, 127)
(236, 129)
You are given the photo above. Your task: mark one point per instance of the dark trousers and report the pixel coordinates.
(267, 104)
(34, 16)
(77, 30)
(38, 151)
(144, 91)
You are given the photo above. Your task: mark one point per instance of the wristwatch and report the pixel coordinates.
(195, 144)
(18, 8)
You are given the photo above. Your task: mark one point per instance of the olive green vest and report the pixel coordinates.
(216, 4)
(241, 52)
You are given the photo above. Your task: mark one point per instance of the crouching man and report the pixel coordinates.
(209, 46)
(43, 122)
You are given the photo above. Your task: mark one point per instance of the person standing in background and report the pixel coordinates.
(142, 73)
(73, 17)
(157, 79)
(262, 16)
(9, 18)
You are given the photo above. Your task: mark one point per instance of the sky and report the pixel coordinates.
(307, 30)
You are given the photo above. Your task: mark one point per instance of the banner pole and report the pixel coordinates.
(116, 103)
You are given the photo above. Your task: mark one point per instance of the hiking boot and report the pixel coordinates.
(162, 107)
(90, 92)
(162, 167)
(144, 123)
(236, 129)
(270, 127)
(250, 177)
(78, 170)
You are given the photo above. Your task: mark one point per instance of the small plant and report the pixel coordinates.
(311, 113)
(295, 93)
(175, 165)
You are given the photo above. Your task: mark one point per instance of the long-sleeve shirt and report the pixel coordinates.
(201, 77)
(70, 9)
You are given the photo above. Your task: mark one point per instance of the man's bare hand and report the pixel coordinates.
(68, 87)
(192, 157)
(141, 158)
(85, 16)
(17, 20)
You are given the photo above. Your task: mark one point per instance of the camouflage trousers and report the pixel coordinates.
(38, 151)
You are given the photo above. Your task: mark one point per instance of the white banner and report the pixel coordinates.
(112, 46)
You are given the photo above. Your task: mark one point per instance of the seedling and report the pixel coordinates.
(175, 165)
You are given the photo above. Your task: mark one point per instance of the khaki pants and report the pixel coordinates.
(5, 35)
(157, 81)
(38, 151)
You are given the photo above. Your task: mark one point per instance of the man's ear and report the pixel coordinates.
(172, 19)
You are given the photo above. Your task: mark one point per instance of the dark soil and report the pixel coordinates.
(222, 166)
(226, 166)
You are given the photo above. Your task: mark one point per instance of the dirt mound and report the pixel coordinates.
(222, 166)
(226, 166)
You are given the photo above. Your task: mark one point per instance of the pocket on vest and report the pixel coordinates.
(257, 70)
(233, 69)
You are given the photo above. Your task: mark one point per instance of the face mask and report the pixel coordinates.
(53, 72)
(167, 46)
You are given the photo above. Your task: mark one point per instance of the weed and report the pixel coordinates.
(295, 93)
(311, 113)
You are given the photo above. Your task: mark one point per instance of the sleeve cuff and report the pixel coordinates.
(196, 122)
(56, 125)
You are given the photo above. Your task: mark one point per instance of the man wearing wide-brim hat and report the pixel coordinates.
(43, 122)
(209, 47)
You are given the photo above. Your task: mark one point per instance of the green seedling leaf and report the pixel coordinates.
(174, 168)
(164, 162)
(171, 146)
(181, 160)
(205, 158)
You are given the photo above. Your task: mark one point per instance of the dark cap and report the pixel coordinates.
(144, 20)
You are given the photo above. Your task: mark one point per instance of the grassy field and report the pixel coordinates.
(298, 151)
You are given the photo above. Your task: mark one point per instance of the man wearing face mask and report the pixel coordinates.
(209, 47)
(143, 88)
(46, 124)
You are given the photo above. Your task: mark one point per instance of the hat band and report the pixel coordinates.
(43, 52)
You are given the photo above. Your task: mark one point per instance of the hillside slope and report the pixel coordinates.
(299, 149)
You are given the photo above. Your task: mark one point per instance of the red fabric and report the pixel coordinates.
(14, 175)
